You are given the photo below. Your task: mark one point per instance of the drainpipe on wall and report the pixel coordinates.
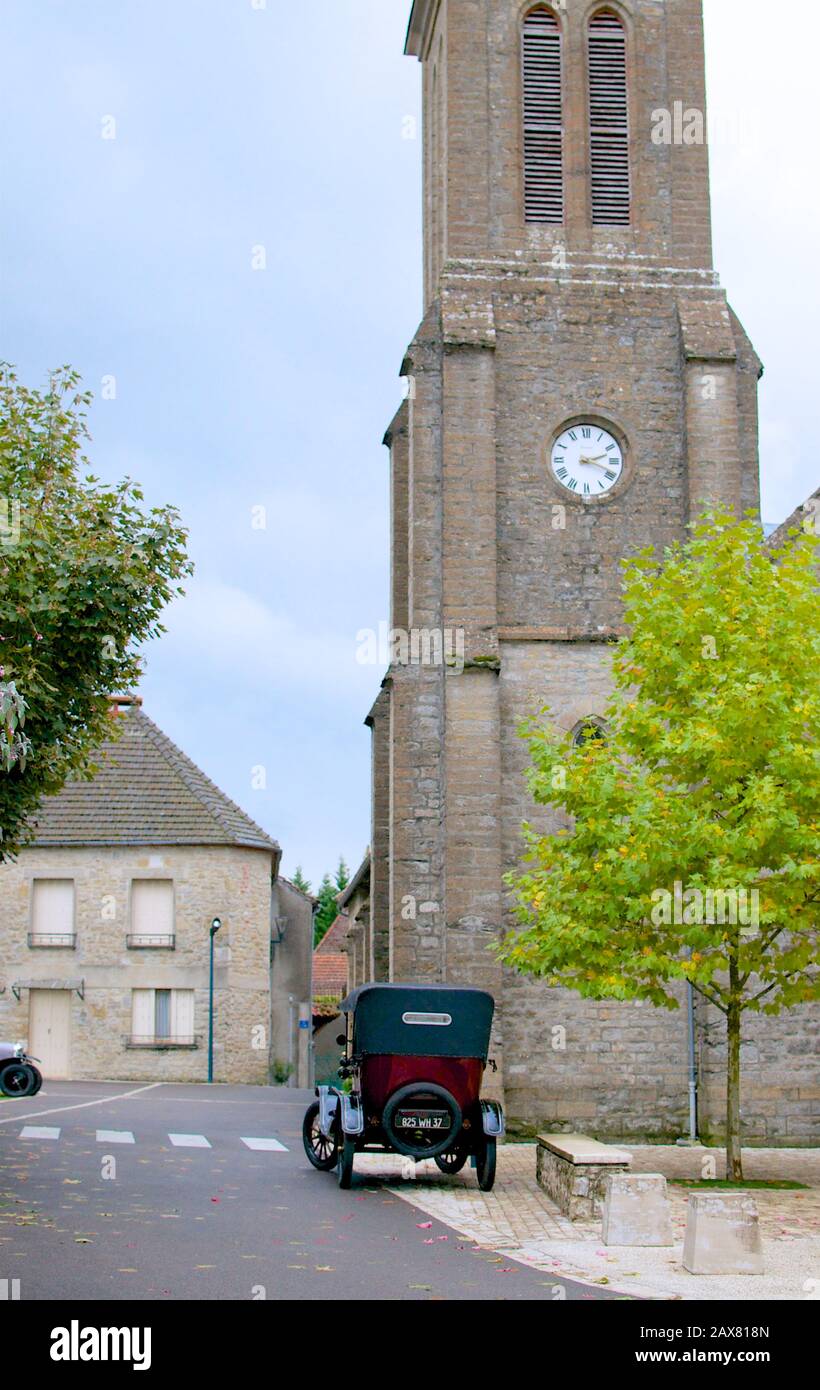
(291, 1013)
(693, 1069)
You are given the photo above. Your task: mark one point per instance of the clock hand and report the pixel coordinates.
(596, 459)
(594, 462)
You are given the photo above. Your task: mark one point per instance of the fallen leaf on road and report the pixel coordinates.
(424, 1225)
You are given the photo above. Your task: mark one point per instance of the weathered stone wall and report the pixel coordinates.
(291, 983)
(233, 884)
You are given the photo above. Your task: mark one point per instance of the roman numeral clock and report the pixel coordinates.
(587, 459)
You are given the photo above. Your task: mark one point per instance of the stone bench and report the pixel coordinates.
(572, 1169)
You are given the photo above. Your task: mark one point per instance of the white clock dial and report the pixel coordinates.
(587, 460)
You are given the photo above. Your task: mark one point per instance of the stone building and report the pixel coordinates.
(579, 387)
(105, 927)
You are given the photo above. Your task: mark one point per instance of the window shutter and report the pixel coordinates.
(152, 907)
(142, 1014)
(182, 1015)
(543, 129)
(52, 910)
(608, 121)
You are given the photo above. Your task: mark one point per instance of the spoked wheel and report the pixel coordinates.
(18, 1080)
(485, 1163)
(452, 1160)
(321, 1151)
(344, 1170)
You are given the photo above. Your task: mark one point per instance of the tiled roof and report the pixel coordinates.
(334, 936)
(146, 792)
(329, 976)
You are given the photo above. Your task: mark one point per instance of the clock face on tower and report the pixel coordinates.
(587, 460)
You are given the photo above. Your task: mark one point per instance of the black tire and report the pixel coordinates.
(453, 1159)
(344, 1168)
(485, 1163)
(321, 1151)
(422, 1149)
(38, 1079)
(18, 1079)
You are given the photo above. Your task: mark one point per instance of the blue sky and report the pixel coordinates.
(237, 389)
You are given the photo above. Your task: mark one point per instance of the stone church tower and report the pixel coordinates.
(579, 387)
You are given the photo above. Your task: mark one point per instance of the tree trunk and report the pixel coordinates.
(734, 1152)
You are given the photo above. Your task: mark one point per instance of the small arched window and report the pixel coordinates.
(543, 118)
(589, 730)
(608, 121)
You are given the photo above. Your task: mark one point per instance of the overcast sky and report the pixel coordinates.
(240, 389)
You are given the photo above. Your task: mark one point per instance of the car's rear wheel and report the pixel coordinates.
(485, 1163)
(344, 1170)
(321, 1150)
(453, 1159)
(18, 1080)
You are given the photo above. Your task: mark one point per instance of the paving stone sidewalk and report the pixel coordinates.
(519, 1219)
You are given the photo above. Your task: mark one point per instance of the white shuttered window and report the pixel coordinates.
(152, 909)
(162, 1015)
(608, 121)
(543, 119)
(52, 909)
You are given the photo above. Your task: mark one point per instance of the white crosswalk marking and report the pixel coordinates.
(265, 1145)
(39, 1132)
(189, 1141)
(115, 1136)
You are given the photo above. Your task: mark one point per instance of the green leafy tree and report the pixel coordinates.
(327, 910)
(299, 881)
(706, 788)
(14, 744)
(85, 572)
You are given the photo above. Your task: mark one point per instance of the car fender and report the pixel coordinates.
(492, 1118)
(328, 1109)
(352, 1113)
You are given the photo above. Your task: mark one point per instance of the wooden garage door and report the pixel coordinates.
(49, 1031)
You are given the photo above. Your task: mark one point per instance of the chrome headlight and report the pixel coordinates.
(19, 1049)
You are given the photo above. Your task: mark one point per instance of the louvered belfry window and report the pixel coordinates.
(608, 121)
(543, 128)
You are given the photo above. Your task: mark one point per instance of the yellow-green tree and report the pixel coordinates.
(691, 851)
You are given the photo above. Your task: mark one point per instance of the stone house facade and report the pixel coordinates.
(105, 926)
(570, 295)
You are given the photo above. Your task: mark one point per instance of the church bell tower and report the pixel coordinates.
(578, 388)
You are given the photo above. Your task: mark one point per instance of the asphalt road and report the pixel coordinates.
(87, 1215)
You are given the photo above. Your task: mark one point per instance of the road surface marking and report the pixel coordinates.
(39, 1132)
(114, 1136)
(82, 1105)
(266, 1145)
(189, 1141)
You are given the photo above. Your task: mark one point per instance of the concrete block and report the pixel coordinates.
(636, 1210)
(722, 1234)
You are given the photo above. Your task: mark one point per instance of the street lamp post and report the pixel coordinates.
(215, 925)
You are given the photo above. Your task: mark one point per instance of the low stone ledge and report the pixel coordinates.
(572, 1169)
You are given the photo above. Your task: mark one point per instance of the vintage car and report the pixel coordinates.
(414, 1057)
(18, 1074)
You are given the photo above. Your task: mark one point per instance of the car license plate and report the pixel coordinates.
(427, 1119)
